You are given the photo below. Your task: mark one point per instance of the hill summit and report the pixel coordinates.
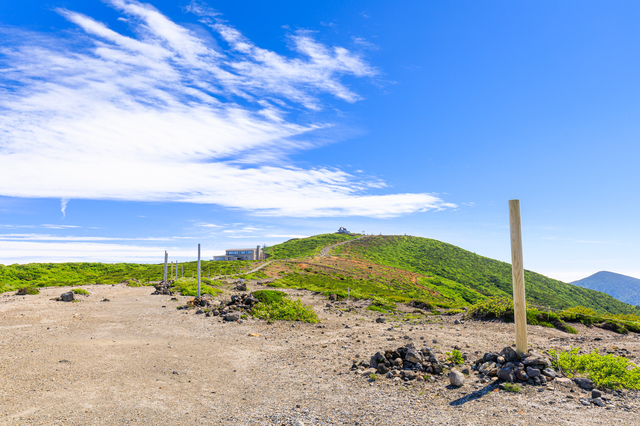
(622, 287)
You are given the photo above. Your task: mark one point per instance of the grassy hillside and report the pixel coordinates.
(13, 277)
(485, 276)
(301, 247)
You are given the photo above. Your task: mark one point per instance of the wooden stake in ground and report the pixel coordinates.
(198, 270)
(166, 257)
(517, 268)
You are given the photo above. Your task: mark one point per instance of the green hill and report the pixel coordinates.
(301, 247)
(486, 276)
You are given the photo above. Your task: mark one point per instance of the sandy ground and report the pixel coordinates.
(137, 360)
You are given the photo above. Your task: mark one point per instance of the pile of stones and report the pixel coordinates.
(163, 288)
(231, 310)
(533, 368)
(405, 362)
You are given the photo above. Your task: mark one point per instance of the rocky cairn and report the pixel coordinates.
(163, 288)
(532, 369)
(231, 310)
(405, 363)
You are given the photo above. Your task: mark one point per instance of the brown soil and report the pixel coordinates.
(98, 363)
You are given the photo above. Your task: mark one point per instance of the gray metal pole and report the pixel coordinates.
(182, 276)
(198, 270)
(166, 257)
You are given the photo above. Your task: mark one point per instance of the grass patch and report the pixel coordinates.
(512, 387)
(270, 296)
(189, 287)
(80, 291)
(607, 371)
(27, 290)
(279, 307)
(301, 247)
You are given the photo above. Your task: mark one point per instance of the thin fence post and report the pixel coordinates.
(517, 269)
(198, 270)
(166, 257)
(182, 275)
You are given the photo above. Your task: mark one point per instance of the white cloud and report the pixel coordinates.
(48, 237)
(168, 115)
(63, 207)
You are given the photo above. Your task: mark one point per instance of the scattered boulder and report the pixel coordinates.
(380, 320)
(596, 393)
(232, 316)
(333, 297)
(509, 354)
(535, 359)
(507, 375)
(163, 288)
(456, 378)
(241, 285)
(584, 383)
(67, 297)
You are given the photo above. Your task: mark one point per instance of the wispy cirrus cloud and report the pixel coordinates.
(168, 115)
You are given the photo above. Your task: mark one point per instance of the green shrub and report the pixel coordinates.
(80, 291)
(455, 311)
(455, 356)
(27, 290)
(607, 371)
(286, 309)
(373, 376)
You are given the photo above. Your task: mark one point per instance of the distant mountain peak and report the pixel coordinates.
(622, 287)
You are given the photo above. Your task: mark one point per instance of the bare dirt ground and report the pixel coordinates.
(138, 360)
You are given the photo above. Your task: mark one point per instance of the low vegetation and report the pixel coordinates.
(189, 287)
(455, 356)
(81, 291)
(27, 290)
(512, 387)
(14, 277)
(606, 371)
(502, 308)
(276, 305)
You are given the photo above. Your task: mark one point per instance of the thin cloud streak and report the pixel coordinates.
(170, 116)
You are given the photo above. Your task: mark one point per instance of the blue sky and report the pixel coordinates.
(129, 128)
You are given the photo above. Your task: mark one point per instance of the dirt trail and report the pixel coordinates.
(98, 363)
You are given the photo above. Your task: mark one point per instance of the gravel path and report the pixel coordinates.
(137, 360)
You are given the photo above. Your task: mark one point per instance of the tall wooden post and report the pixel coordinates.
(517, 268)
(198, 270)
(166, 257)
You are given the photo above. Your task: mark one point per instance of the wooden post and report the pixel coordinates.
(517, 268)
(166, 257)
(171, 275)
(198, 270)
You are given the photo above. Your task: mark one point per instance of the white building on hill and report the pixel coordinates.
(242, 254)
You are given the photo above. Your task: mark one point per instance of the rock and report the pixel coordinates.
(549, 372)
(199, 311)
(596, 393)
(398, 363)
(456, 378)
(536, 359)
(533, 372)
(490, 357)
(486, 367)
(501, 360)
(380, 320)
(521, 375)
(584, 402)
(233, 316)
(584, 383)
(176, 373)
(413, 356)
(456, 322)
(434, 341)
(466, 371)
(598, 401)
(408, 374)
(509, 354)
(105, 300)
(333, 297)
(377, 358)
(507, 375)
(382, 369)
(242, 286)
(251, 300)
(67, 297)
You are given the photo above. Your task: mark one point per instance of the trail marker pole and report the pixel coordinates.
(517, 268)
(166, 257)
(182, 275)
(198, 270)
(171, 275)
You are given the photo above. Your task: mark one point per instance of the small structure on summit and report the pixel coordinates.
(343, 230)
(242, 254)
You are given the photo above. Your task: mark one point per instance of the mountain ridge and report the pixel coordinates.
(619, 286)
